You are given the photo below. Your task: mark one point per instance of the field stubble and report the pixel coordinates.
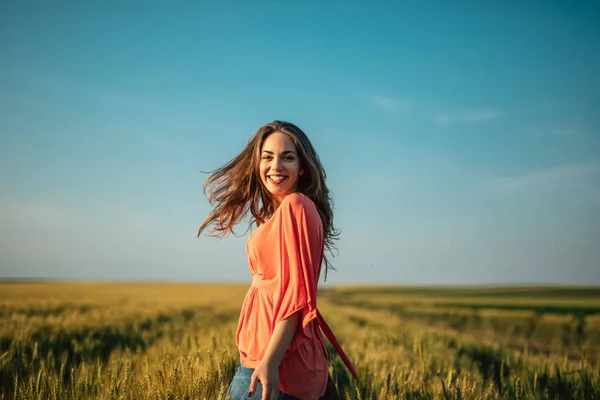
(176, 341)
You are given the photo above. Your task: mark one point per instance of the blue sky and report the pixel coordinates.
(461, 140)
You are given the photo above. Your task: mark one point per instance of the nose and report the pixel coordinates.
(276, 164)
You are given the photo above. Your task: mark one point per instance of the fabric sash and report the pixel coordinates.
(332, 339)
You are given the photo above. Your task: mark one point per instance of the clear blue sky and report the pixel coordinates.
(461, 139)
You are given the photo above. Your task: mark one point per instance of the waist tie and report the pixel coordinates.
(260, 283)
(332, 339)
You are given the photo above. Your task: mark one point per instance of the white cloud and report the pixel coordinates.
(471, 116)
(461, 116)
(390, 103)
(557, 132)
(549, 178)
(87, 91)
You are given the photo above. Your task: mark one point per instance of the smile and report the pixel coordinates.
(277, 179)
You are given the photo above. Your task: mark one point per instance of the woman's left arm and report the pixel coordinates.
(267, 371)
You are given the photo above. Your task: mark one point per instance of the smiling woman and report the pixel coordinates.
(279, 178)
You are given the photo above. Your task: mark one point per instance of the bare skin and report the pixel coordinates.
(267, 371)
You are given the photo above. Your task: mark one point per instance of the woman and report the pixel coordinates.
(279, 178)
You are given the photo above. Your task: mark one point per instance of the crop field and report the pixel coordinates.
(177, 341)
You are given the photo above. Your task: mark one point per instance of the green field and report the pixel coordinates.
(176, 341)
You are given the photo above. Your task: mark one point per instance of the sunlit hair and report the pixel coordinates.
(236, 188)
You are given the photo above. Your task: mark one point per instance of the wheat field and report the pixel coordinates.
(61, 340)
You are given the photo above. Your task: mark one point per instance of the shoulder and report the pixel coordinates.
(298, 204)
(298, 201)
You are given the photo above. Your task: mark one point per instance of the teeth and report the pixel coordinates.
(277, 178)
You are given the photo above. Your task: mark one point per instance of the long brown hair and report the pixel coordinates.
(236, 188)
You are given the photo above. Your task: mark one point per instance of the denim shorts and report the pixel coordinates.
(240, 385)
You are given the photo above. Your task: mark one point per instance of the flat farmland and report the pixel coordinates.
(61, 340)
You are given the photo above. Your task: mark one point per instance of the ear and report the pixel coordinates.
(301, 172)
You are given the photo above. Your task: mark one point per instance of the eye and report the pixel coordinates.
(266, 157)
(289, 158)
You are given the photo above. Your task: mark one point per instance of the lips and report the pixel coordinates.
(277, 179)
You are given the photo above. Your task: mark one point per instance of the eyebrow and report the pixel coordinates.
(285, 152)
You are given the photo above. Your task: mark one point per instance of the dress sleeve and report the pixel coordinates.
(300, 253)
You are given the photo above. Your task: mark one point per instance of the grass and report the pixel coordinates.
(176, 341)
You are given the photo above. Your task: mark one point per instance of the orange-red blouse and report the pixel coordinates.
(285, 256)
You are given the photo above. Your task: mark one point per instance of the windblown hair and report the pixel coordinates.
(236, 188)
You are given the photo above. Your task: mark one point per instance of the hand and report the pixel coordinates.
(268, 375)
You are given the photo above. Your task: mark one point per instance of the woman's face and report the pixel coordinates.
(279, 165)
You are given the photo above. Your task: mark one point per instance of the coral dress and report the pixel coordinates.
(285, 256)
